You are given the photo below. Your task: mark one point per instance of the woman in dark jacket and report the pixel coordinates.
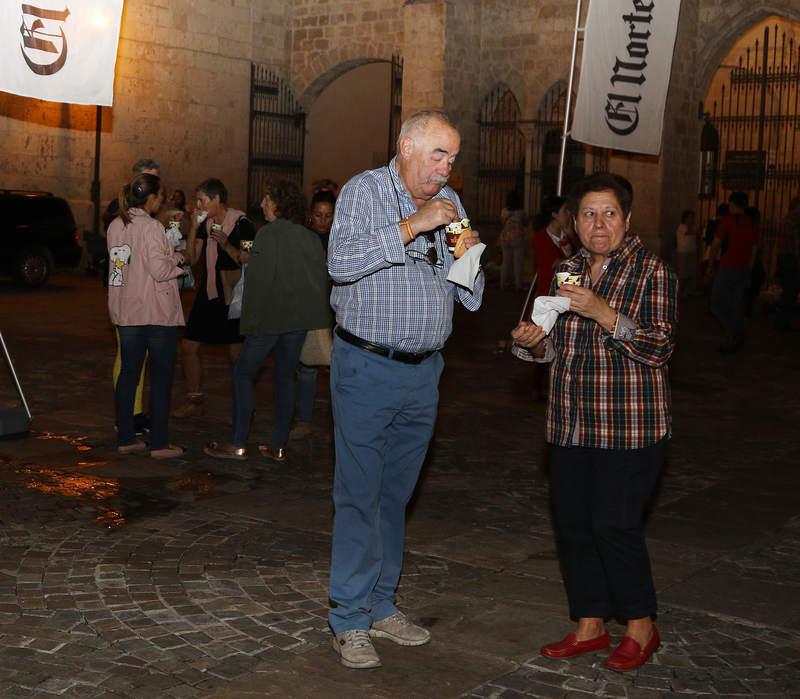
(285, 295)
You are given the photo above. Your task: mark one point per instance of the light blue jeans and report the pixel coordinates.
(383, 414)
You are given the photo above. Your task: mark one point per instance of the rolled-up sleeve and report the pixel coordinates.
(650, 338)
(357, 246)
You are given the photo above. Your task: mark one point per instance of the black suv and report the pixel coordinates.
(37, 232)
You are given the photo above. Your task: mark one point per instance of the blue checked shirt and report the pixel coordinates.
(386, 292)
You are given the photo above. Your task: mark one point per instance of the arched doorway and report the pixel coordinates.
(277, 133)
(546, 148)
(348, 124)
(751, 139)
(501, 154)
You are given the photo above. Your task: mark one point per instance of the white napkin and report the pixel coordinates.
(465, 269)
(546, 310)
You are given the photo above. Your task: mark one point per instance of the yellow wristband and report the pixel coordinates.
(616, 324)
(405, 224)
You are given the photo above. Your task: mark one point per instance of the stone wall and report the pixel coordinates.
(680, 146)
(462, 96)
(328, 38)
(526, 46)
(181, 97)
(424, 55)
(182, 90)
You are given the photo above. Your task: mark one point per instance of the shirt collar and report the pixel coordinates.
(629, 246)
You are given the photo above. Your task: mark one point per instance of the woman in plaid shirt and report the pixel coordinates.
(608, 419)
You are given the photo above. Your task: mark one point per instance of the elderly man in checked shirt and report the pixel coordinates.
(389, 261)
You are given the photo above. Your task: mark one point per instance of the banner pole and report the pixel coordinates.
(96, 181)
(566, 130)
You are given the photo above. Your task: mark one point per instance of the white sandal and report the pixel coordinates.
(169, 452)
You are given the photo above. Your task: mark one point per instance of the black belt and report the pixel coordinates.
(405, 357)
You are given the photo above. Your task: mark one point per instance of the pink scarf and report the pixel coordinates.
(212, 249)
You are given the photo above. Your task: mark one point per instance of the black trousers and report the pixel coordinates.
(599, 498)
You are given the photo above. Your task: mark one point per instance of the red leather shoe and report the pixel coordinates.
(629, 655)
(571, 646)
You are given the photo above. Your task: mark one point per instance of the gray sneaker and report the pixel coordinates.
(356, 649)
(401, 630)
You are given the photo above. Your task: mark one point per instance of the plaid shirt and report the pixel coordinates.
(607, 392)
(386, 292)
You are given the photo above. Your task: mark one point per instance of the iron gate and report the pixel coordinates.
(277, 134)
(501, 164)
(508, 160)
(546, 150)
(395, 105)
(750, 137)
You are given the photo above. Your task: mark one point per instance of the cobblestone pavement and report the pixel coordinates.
(123, 577)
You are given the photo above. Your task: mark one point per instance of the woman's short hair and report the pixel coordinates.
(212, 187)
(601, 182)
(289, 200)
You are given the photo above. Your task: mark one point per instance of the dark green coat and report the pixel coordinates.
(286, 282)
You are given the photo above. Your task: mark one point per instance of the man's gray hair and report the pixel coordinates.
(144, 164)
(417, 123)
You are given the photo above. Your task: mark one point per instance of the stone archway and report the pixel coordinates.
(751, 105)
(348, 121)
(714, 45)
(706, 32)
(309, 91)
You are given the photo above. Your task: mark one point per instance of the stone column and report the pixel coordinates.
(441, 53)
(680, 147)
(424, 23)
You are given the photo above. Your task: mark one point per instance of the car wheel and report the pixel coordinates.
(32, 268)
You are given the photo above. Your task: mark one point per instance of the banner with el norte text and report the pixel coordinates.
(60, 50)
(627, 58)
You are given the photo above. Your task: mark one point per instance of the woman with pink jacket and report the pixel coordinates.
(144, 304)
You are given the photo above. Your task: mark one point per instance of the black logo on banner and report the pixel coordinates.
(40, 37)
(622, 105)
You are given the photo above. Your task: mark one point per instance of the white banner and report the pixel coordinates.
(627, 58)
(60, 50)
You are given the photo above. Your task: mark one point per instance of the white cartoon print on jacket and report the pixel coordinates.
(120, 256)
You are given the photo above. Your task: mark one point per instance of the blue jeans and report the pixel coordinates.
(255, 349)
(134, 342)
(383, 415)
(306, 390)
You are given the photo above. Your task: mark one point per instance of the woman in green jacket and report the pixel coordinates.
(285, 295)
